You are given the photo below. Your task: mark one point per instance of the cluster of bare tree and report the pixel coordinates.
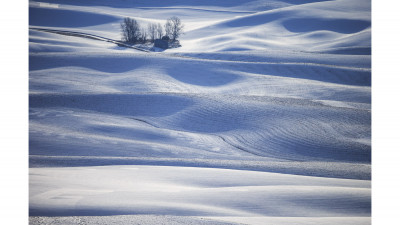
(132, 32)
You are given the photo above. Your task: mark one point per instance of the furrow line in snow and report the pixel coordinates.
(90, 36)
(221, 137)
(211, 134)
(308, 136)
(238, 147)
(271, 63)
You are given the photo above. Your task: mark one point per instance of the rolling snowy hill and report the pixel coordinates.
(262, 116)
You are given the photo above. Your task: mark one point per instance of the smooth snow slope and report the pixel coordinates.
(193, 192)
(262, 116)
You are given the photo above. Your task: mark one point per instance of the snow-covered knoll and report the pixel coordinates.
(262, 116)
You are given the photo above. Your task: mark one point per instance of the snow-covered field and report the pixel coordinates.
(263, 116)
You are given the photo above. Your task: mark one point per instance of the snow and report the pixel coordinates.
(119, 190)
(262, 116)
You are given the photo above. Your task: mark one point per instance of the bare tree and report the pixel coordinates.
(152, 31)
(130, 30)
(143, 35)
(168, 28)
(175, 27)
(159, 30)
